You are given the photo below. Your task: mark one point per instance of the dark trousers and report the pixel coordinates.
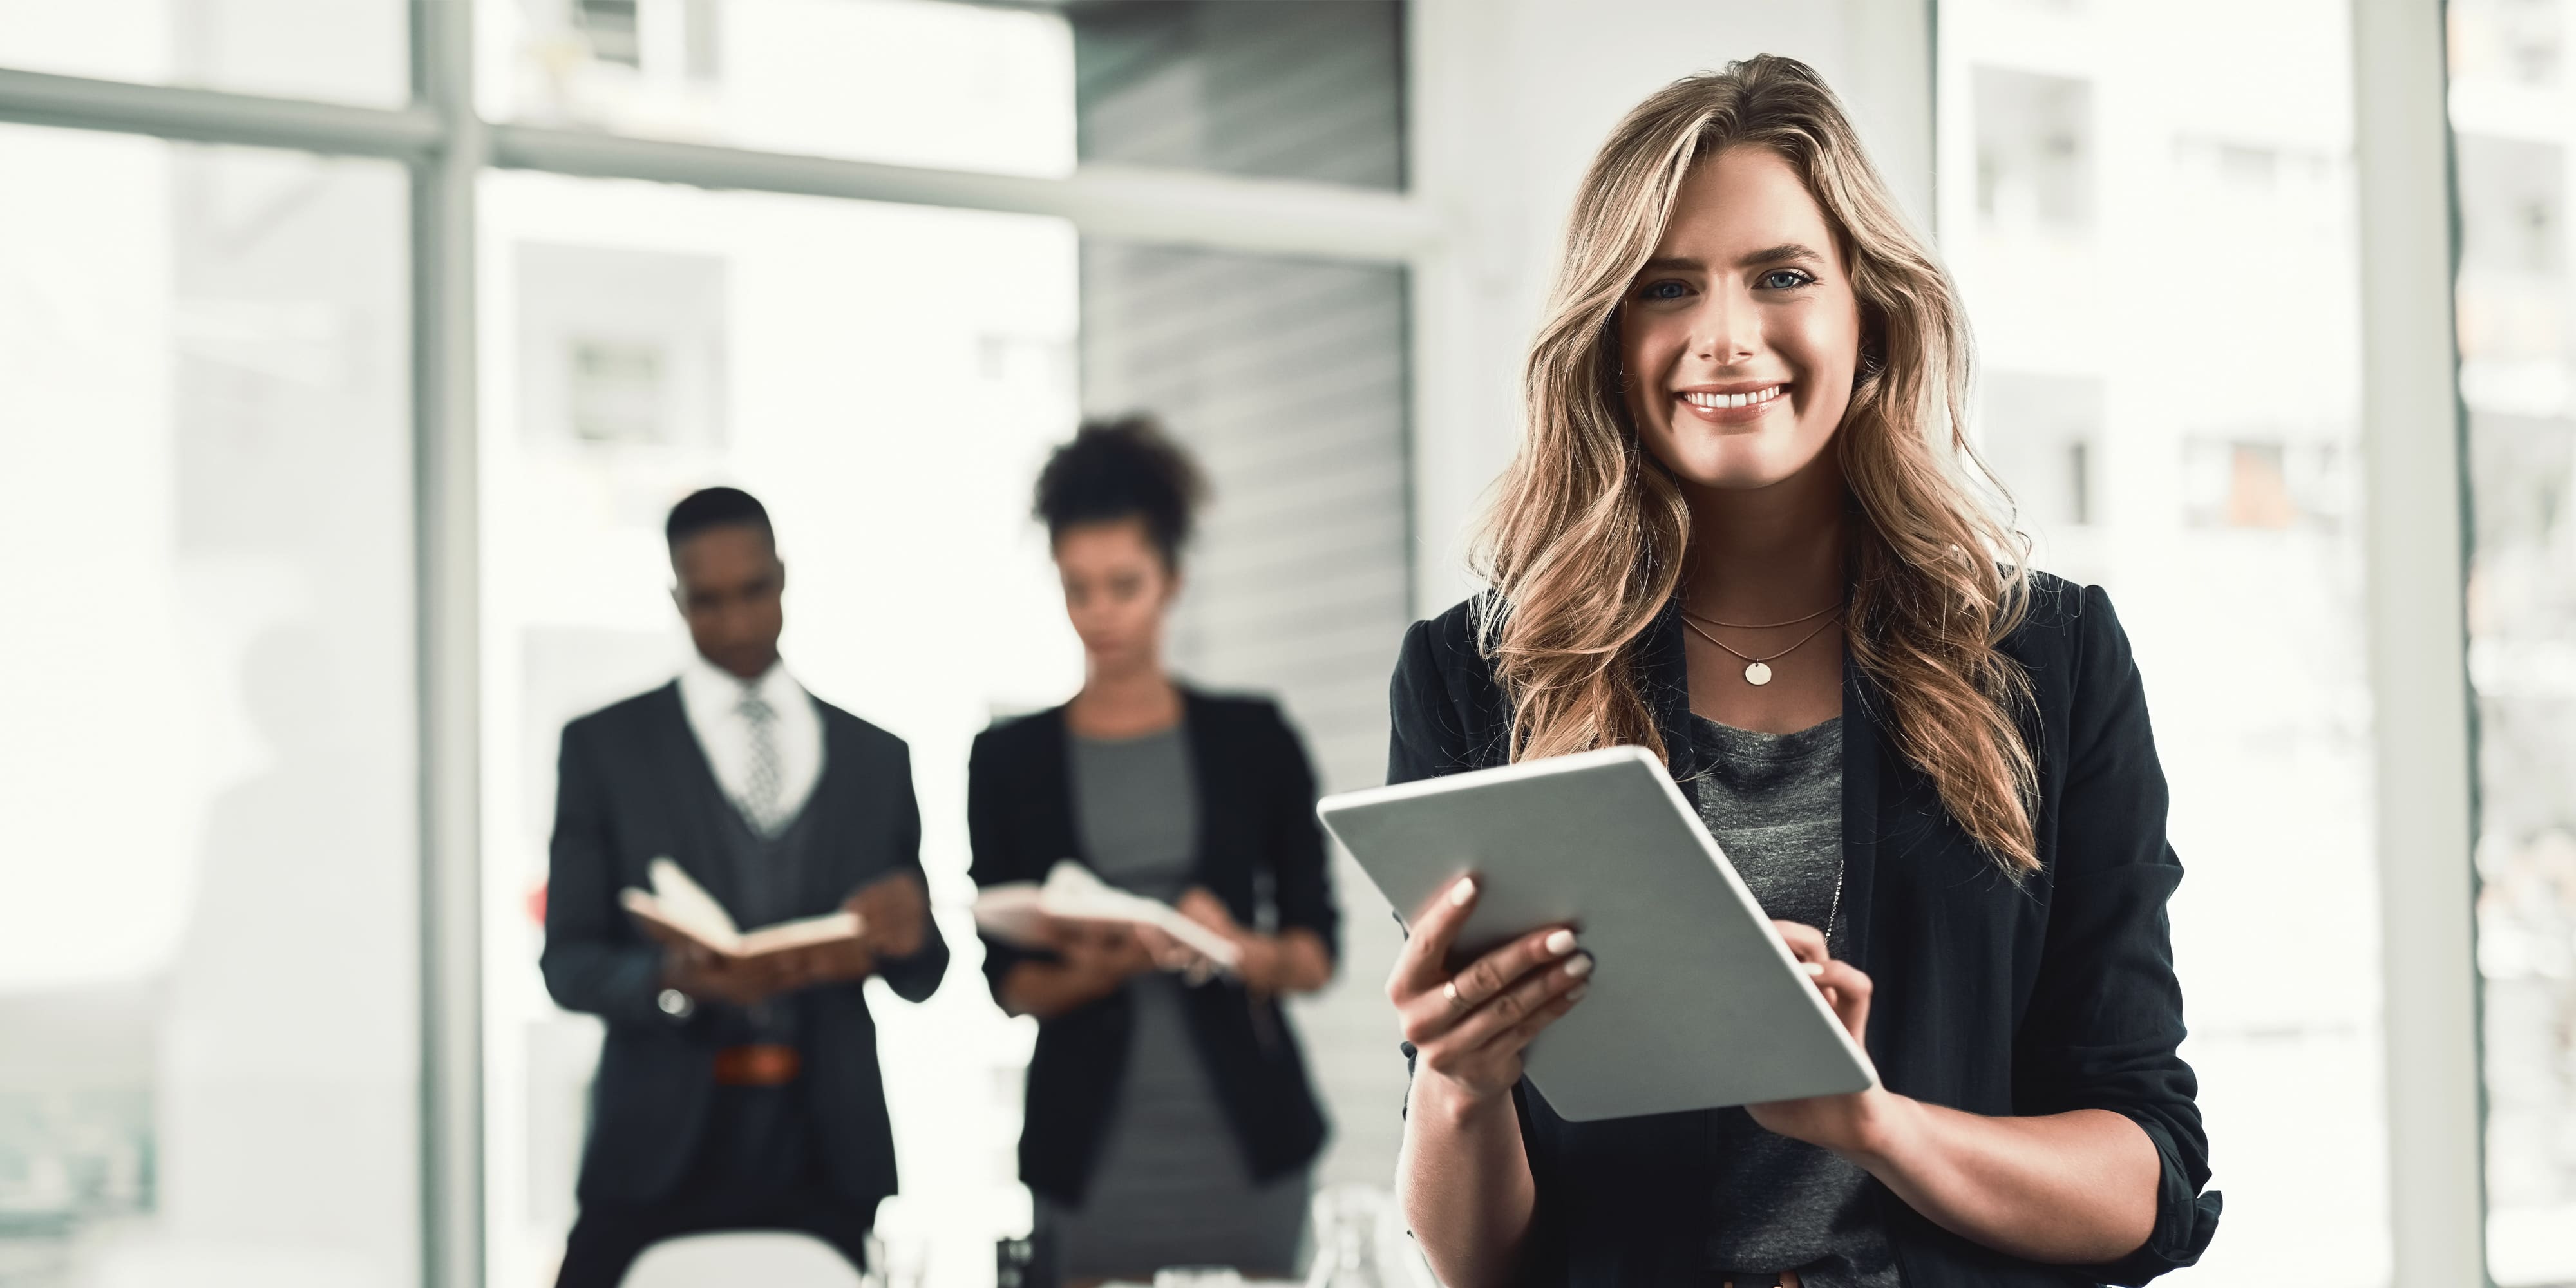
(753, 1172)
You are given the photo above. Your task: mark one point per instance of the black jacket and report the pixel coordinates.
(1258, 843)
(625, 774)
(1993, 999)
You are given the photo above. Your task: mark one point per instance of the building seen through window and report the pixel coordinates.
(2156, 240)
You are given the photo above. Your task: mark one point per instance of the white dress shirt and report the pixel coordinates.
(712, 698)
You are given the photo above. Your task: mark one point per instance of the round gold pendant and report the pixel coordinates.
(1756, 673)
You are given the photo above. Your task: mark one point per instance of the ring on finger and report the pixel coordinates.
(1449, 989)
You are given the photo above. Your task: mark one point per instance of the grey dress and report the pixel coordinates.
(1775, 804)
(1170, 1186)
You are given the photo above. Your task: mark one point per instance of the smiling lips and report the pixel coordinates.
(1741, 403)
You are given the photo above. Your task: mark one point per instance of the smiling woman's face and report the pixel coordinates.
(1739, 339)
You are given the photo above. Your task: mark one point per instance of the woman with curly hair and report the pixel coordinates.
(1169, 1119)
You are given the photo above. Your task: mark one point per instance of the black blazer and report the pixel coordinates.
(1259, 844)
(626, 772)
(2054, 996)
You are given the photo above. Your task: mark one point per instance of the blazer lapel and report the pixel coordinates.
(1205, 765)
(688, 778)
(1663, 665)
(1050, 800)
(827, 818)
(1861, 757)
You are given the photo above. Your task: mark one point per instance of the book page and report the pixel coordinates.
(804, 932)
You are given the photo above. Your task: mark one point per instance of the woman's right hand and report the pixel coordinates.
(1471, 1027)
(1102, 956)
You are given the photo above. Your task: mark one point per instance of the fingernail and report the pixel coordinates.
(1579, 967)
(1575, 994)
(1813, 969)
(1561, 943)
(1460, 893)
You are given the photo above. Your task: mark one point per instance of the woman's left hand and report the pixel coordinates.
(1851, 1125)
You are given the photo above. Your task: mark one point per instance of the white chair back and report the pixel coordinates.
(770, 1258)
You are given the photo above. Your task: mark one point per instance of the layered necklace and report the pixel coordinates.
(1757, 670)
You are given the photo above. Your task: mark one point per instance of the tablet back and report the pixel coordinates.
(1696, 1003)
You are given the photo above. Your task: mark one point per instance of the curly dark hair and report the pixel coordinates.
(1121, 468)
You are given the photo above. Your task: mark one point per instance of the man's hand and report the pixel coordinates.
(846, 961)
(893, 913)
(715, 977)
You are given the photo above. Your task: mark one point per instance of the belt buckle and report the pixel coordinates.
(759, 1064)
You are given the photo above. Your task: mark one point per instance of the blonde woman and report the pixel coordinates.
(1741, 532)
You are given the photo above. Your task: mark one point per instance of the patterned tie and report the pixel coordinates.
(761, 789)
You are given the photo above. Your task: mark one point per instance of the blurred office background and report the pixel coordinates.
(351, 351)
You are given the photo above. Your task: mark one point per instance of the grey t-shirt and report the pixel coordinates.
(1775, 804)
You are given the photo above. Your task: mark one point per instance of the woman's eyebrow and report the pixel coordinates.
(1781, 254)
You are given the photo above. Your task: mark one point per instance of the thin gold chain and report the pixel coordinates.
(1749, 626)
(1802, 640)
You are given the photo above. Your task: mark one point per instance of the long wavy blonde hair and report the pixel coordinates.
(1588, 535)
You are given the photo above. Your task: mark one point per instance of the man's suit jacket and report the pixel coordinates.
(629, 779)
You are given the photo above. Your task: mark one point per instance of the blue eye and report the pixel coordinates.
(1667, 289)
(1785, 279)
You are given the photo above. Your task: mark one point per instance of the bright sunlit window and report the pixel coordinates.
(2156, 236)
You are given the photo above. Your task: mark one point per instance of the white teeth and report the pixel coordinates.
(1714, 402)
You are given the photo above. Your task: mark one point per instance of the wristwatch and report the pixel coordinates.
(676, 1004)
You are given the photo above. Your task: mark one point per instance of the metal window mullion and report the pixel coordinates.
(2416, 551)
(447, 630)
(1172, 207)
(209, 116)
(1181, 208)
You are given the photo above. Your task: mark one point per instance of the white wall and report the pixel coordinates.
(1509, 100)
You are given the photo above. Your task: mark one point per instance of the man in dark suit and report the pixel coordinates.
(733, 1095)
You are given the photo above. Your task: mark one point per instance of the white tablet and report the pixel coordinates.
(1696, 1002)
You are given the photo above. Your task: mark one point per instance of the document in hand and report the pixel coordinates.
(679, 906)
(1695, 1001)
(1017, 912)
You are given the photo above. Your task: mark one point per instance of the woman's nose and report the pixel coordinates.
(1725, 329)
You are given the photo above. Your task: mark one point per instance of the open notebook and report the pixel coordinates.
(681, 906)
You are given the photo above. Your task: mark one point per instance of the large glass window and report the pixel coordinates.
(2156, 234)
(1283, 89)
(912, 82)
(209, 947)
(2515, 125)
(886, 379)
(348, 50)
